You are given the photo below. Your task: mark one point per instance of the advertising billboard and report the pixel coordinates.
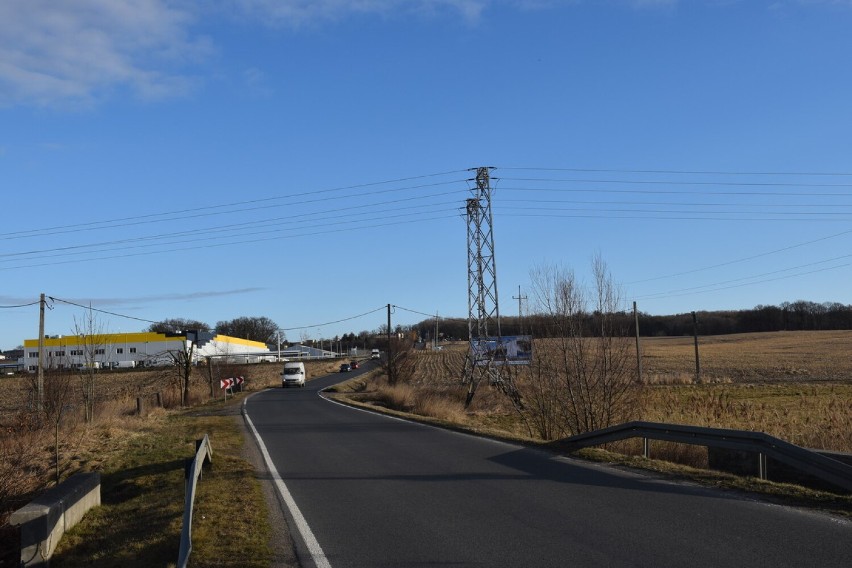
(508, 350)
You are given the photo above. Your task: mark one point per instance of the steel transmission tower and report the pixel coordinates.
(483, 308)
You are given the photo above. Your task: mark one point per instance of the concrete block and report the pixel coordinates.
(45, 519)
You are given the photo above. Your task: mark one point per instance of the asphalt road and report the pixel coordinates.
(369, 490)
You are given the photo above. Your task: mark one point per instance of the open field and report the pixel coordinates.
(793, 385)
(750, 357)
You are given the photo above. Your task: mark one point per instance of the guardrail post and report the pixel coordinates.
(761, 466)
(646, 448)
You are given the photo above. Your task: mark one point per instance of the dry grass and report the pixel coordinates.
(750, 357)
(793, 385)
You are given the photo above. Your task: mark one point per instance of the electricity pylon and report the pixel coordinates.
(483, 307)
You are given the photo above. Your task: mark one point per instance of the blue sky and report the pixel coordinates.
(307, 161)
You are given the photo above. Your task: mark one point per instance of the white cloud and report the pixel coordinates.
(305, 12)
(77, 51)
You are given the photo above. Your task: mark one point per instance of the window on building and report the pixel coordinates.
(33, 353)
(99, 351)
(133, 350)
(119, 350)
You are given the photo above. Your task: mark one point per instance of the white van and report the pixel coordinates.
(374, 354)
(293, 374)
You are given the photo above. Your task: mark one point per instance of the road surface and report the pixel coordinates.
(369, 490)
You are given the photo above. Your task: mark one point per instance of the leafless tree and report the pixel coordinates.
(398, 364)
(182, 369)
(92, 344)
(581, 378)
(57, 401)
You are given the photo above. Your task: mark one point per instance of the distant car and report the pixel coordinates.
(345, 368)
(354, 364)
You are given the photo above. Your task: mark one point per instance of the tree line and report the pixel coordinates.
(800, 315)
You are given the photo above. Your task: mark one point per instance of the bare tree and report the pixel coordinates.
(399, 366)
(57, 394)
(91, 351)
(182, 369)
(581, 378)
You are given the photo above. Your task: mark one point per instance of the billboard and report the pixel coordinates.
(508, 350)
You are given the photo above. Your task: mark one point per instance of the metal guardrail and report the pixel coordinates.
(805, 460)
(203, 455)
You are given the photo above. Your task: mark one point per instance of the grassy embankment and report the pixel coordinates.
(141, 460)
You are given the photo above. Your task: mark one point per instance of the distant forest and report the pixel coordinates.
(789, 316)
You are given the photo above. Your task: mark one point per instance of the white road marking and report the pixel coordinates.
(314, 549)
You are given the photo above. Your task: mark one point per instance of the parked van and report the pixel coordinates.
(293, 374)
(374, 354)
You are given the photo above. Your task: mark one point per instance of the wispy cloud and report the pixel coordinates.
(78, 51)
(174, 297)
(296, 13)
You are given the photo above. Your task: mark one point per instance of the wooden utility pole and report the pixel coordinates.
(390, 365)
(638, 347)
(40, 368)
(695, 335)
(435, 343)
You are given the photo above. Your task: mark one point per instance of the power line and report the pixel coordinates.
(152, 217)
(227, 244)
(678, 211)
(673, 192)
(285, 221)
(670, 218)
(70, 303)
(744, 259)
(688, 292)
(336, 321)
(685, 172)
(21, 305)
(431, 316)
(675, 182)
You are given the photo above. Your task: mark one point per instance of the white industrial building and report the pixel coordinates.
(125, 350)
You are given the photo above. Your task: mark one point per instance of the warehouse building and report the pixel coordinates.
(143, 349)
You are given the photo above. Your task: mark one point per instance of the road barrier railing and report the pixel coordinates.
(203, 456)
(807, 461)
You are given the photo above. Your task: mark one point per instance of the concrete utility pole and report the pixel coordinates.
(519, 298)
(40, 368)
